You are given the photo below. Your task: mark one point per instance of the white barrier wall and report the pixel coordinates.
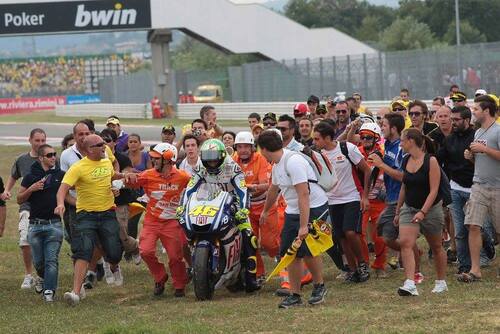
(190, 111)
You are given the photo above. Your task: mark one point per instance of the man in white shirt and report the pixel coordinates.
(287, 127)
(192, 161)
(305, 202)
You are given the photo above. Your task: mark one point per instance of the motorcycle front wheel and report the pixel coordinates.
(202, 276)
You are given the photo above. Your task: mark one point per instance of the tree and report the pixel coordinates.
(406, 34)
(468, 34)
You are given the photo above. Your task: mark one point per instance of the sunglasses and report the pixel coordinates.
(50, 155)
(341, 111)
(456, 119)
(398, 109)
(281, 128)
(366, 137)
(101, 144)
(269, 124)
(416, 114)
(379, 118)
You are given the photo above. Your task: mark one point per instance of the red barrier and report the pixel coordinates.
(22, 104)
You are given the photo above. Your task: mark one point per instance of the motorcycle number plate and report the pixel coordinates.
(204, 211)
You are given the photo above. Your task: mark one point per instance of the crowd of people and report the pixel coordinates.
(61, 75)
(403, 171)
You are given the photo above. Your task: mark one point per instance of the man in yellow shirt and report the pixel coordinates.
(401, 107)
(95, 217)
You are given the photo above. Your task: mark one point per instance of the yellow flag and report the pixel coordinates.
(134, 209)
(319, 239)
(291, 252)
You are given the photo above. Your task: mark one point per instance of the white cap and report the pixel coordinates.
(480, 92)
(244, 137)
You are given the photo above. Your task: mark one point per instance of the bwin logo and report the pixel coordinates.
(117, 16)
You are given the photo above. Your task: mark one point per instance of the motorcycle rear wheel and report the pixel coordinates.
(202, 278)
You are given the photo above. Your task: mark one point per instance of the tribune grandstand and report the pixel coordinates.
(45, 76)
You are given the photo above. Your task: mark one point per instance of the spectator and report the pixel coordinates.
(190, 144)
(269, 121)
(401, 107)
(39, 188)
(321, 112)
(287, 126)
(253, 119)
(480, 92)
(460, 172)
(437, 103)
(484, 151)
(418, 111)
(113, 123)
(257, 130)
(3, 209)
(94, 215)
(209, 115)
(381, 114)
(168, 134)
(20, 168)
(421, 211)
(305, 130)
(459, 99)
(444, 129)
(359, 109)
(344, 201)
(312, 104)
(199, 130)
(228, 139)
(68, 140)
(404, 94)
(343, 118)
(305, 201)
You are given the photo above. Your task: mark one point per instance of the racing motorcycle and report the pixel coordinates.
(208, 220)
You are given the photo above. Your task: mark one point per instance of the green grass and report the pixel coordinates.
(372, 307)
(50, 117)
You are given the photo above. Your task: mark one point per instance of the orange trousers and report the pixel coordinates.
(371, 217)
(268, 234)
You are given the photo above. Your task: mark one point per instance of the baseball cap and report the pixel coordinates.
(313, 99)
(300, 109)
(458, 96)
(113, 120)
(168, 128)
(480, 92)
(401, 103)
(257, 126)
(270, 115)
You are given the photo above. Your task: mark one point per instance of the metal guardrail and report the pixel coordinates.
(105, 110)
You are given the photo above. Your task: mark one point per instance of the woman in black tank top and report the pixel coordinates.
(419, 209)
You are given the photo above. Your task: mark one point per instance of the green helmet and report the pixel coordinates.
(213, 155)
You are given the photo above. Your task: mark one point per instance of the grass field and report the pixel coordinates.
(50, 117)
(371, 307)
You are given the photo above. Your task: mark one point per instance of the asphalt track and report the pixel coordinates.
(12, 133)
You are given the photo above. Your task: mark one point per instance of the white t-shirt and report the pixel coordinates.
(187, 167)
(345, 190)
(297, 171)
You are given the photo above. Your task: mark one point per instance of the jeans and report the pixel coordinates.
(45, 242)
(458, 201)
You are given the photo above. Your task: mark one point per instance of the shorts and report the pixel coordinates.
(91, 227)
(24, 223)
(483, 204)
(432, 224)
(385, 225)
(345, 217)
(2, 202)
(291, 230)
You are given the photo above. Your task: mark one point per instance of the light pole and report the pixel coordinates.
(457, 30)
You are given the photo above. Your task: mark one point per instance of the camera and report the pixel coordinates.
(196, 132)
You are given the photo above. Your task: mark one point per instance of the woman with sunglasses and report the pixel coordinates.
(45, 234)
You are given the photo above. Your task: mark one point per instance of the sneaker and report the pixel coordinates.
(71, 298)
(38, 285)
(83, 293)
(393, 263)
(261, 279)
(179, 293)
(282, 292)
(118, 277)
(352, 277)
(99, 270)
(136, 258)
(342, 275)
(28, 282)
(363, 272)
(381, 273)
(440, 286)
(48, 296)
(90, 280)
(489, 250)
(318, 294)
(408, 289)
(108, 275)
(160, 286)
(418, 278)
(291, 301)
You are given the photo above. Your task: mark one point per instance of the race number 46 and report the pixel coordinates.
(204, 210)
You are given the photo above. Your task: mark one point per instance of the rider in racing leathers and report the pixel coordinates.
(218, 168)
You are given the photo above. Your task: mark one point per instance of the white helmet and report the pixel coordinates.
(244, 137)
(165, 151)
(371, 127)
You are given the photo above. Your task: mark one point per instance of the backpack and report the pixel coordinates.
(322, 167)
(444, 190)
(357, 175)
